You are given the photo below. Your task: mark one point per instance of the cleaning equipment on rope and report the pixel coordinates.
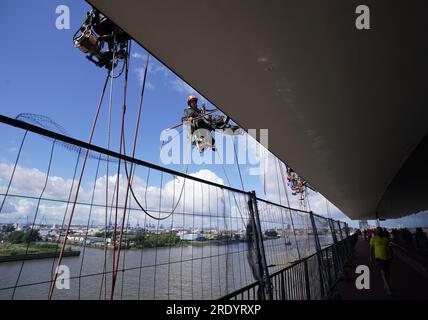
(298, 187)
(101, 40)
(296, 183)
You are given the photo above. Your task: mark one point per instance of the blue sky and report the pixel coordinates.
(43, 73)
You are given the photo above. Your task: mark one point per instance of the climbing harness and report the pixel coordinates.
(203, 122)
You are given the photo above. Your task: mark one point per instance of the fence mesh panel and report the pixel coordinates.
(158, 234)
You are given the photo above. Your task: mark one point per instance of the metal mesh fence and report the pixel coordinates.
(139, 231)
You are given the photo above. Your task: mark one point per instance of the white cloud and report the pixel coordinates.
(150, 86)
(140, 76)
(11, 149)
(31, 182)
(156, 67)
(137, 55)
(196, 198)
(180, 86)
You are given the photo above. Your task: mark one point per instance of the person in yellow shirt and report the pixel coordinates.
(380, 248)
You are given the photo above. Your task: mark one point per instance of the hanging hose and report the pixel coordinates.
(107, 164)
(116, 262)
(123, 144)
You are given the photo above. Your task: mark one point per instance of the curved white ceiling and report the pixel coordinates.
(345, 108)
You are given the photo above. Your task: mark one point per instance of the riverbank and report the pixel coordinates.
(16, 252)
(34, 256)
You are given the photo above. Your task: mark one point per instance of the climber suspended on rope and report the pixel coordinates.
(295, 183)
(201, 118)
(103, 41)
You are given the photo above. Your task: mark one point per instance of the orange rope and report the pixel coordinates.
(52, 286)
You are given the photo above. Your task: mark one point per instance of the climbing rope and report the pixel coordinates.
(111, 75)
(52, 286)
(87, 224)
(277, 164)
(116, 262)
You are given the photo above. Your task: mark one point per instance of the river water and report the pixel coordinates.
(185, 272)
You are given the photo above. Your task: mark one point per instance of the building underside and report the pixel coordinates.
(345, 108)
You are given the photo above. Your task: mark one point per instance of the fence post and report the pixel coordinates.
(335, 253)
(283, 286)
(348, 241)
(265, 283)
(327, 253)
(340, 231)
(308, 287)
(319, 257)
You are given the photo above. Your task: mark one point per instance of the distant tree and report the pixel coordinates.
(8, 228)
(31, 236)
(15, 237)
(139, 238)
(150, 240)
(103, 234)
(23, 236)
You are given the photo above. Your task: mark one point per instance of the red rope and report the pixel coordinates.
(52, 286)
(116, 262)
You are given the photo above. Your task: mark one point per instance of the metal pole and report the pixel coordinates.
(340, 231)
(318, 248)
(308, 287)
(348, 241)
(327, 253)
(283, 286)
(334, 251)
(336, 257)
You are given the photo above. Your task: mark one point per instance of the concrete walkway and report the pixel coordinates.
(406, 282)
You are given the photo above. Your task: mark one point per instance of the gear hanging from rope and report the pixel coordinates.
(289, 206)
(103, 41)
(295, 182)
(299, 187)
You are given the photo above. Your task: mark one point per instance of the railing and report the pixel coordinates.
(302, 281)
(249, 248)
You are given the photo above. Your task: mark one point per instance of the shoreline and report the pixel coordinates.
(35, 256)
